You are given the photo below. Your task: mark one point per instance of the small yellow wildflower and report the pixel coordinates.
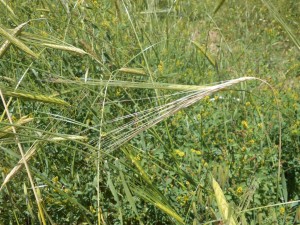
(248, 104)
(179, 153)
(67, 190)
(245, 124)
(197, 152)
(105, 24)
(205, 164)
(160, 66)
(179, 63)
(185, 198)
(206, 98)
(251, 141)
(55, 179)
(244, 149)
(282, 210)
(230, 140)
(239, 190)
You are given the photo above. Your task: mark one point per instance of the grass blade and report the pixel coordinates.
(219, 6)
(129, 195)
(7, 7)
(206, 54)
(150, 194)
(281, 21)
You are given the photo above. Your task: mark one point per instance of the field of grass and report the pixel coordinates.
(150, 112)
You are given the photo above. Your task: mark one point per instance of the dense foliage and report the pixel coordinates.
(93, 90)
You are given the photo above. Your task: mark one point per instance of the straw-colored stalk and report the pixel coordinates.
(38, 200)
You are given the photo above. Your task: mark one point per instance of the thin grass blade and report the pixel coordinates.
(219, 6)
(282, 22)
(206, 54)
(7, 7)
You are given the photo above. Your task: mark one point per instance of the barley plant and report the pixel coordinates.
(149, 112)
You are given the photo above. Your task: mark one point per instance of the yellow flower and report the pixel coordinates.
(55, 179)
(245, 124)
(251, 142)
(105, 24)
(282, 210)
(160, 66)
(248, 104)
(206, 98)
(179, 153)
(67, 190)
(197, 152)
(239, 190)
(179, 63)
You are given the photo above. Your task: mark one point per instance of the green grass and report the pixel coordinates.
(149, 112)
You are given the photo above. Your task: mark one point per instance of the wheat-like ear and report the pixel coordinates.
(144, 120)
(7, 130)
(65, 48)
(33, 149)
(17, 31)
(33, 97)
(223, 206)
(11, 38)
(136, 71)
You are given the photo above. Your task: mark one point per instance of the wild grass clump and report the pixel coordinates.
(149, 112)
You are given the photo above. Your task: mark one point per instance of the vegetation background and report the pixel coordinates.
(115, 112)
